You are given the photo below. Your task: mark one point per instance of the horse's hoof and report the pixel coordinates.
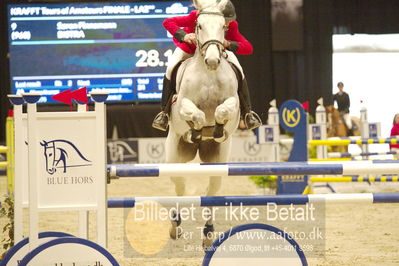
(196, 135)
(209, 236)
(175, 232)
(207, 243)
(218, 131)
(193, 136)
(219, 134)
(187, 137)
(220, 140)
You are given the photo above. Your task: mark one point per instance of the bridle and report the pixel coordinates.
(204, 46)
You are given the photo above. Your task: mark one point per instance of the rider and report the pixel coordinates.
(185, 41)
(343, 101)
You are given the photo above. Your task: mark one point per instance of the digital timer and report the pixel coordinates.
(121, 48)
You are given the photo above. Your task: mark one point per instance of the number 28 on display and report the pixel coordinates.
(151, 58)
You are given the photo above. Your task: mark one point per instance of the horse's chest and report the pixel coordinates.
(209, 96)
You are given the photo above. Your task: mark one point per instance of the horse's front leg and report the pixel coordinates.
(223, 113)
(195, 117)
(209, 230)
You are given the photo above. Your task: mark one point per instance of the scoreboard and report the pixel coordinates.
(120, 48)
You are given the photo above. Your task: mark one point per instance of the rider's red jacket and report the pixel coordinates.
(179, 26)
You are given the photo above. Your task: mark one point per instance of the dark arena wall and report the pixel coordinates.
(292, 56)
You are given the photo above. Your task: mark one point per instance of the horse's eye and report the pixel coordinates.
(50, 154)
(199, 26)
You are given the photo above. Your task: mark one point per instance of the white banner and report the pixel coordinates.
(244, 149)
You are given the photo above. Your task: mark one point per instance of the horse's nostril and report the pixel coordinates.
(218, 61)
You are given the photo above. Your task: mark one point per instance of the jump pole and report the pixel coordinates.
(345, 142)
(288, 168)
(223, 201)
(350, 179)
(340, 155)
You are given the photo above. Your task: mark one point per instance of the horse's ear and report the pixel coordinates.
(202, 4)
(222, 4)
(43, 143)
(197, 4)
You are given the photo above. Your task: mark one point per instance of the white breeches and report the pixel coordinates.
(179, 55)
(232, 58)
(348, 120)
(396, 156)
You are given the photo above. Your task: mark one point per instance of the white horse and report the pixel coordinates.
(206, 112)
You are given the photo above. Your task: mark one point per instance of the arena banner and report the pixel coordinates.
(244, 149)
(122, 151)
(151, 150)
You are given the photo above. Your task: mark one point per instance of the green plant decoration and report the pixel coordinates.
(7, 211)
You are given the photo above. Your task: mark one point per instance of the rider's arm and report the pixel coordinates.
(238, 43)
(174, 25)
(349, 101)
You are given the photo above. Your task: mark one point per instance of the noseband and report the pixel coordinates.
(204, 46)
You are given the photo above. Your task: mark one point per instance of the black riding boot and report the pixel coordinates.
(161, 120)
(251, 119)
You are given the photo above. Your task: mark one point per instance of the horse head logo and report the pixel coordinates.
(57, 153)
(120, 151)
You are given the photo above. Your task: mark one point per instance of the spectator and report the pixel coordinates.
(395, 132)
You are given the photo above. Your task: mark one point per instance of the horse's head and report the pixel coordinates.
(49, 155)
(333, 114)
(210, 30)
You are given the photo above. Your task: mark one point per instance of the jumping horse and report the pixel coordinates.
(336, 127)
(206, 111)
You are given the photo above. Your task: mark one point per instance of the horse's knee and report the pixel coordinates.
(190, 112)
(199, 120)
(221, 114)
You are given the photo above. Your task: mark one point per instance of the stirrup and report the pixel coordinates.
(255, 123)
(161, 121)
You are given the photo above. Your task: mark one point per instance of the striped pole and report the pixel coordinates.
(3, 149)
(350, 155)
(346, 142)
(356, 179)
(287, 168)
(204, 201)
(10, 154)
(343, 160)
(331, 159)
(290, 141)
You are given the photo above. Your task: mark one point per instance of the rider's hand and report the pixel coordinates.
(226, 44)
(190, 38)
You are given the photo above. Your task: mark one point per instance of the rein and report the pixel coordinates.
(204, 46)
